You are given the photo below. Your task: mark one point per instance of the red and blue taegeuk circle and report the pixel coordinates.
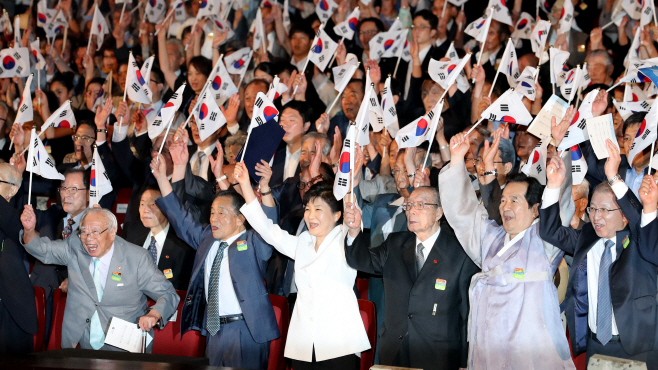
(345, 162)
(421, 127)
(269, 112)
(203, 112)
(216, 83)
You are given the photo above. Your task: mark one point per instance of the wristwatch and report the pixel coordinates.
(222, 178)
(411, 175)
(490, 173)
(102, 130)
(614, 179)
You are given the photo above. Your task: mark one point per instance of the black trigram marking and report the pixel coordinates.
(17, 56)
(385, 91)
(538, 169)
(492, 117)
(106, 176)
(213, 116)
(174, 97)
(644, 105)
(50, 162)
(575, 168)
(93, 193)
(405, 138)
(63, 114)
(430, 115)
(347, 143)
(442, 76)
(504, 107)
(23, 108)
(321, 58)
(202, 126)
(646, 133)
(342, 181)
(259, 121)
(373, 102)
(259, 102)
(392, 111)
(581, 124)
(135, 86)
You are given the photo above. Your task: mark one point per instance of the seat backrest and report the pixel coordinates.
(120, 206)
(59, 303)
(277, 346)
(168, 341)
(40, 336)
(362, 287)
(367, 310)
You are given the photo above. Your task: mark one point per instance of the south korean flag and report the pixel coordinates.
(14, 62)
(446, 73)
(342, 183)
(539, 36)
(480, 28)
(388, 109)
(577, 132)
(209, 118)
(39, 161)
(167, 114)
(566, 18)
(578, 165)
(523, 27)
(179, 10)
(25, 113)
(509, 64)
(536, 166)
(322, 50)
(324, 9)
(508, 108)
(62, 117)
(500, 12)
(135, 83)
(387, 44)
(264, 111)
(626, 109)
(145, 71)
(346, 28)
(633, 8)
(99, 181)
(525, 85)
(155, 10)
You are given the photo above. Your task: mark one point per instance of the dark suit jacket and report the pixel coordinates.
(632, 277)
(279, 165)
(246, 267)
(16, 292)
(434, 321)
(50, 223)
(176, 256)
(211, 176)
(5, 153)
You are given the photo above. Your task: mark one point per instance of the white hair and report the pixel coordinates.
(111, 218)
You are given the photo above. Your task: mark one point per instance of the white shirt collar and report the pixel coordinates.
(429, 243)
(106, 259)
(233, 238)
(509, 243)
(160, 237)
(208, 151)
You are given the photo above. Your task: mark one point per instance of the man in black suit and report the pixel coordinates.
(611, 297)
(5, 126)
(200, 152)
(424, 33)
(295, 120)
(426, 278)
(173, 257)
(18, 314)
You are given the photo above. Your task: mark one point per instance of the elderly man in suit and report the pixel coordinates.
(172, 256)
(18, 314)
(108, 277)
(226, 299)
(426, 276)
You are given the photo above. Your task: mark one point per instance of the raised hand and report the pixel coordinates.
(611, 167)
(18, 136)
(489, 155)
(459, 146)
(178, 150)
(18, 161)
(314, 168)
(556, 171)
(103, 112)
(322, 123)
(231, 113)
(600, 103)
(264, 170)
(241, 174)
(159, 167)
(352, 219)
(337, 146)
(558, 130)
(216, 165)
(28, 219)
(648, 194)
(341, 54)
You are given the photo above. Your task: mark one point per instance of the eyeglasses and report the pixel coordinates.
(7, 182)
(422, 27)
(64, 189)
(85, 138)
(95, 233)
(604, 212)
(480, 160)
(417, 205)
(368, 33)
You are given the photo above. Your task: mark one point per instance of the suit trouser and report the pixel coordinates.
(349, 362)
(614, 349)
(12, 338)
(233, 346)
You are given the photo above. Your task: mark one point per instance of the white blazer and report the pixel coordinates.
(326, 313)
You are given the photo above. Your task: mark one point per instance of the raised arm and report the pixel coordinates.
(45, 250)
(358, 253)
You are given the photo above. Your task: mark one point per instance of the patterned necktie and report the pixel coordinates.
(96, 333)
(68, 229)
(604, 306)
(420, 257)
(212, 321)
(199, 161)
(154, 250)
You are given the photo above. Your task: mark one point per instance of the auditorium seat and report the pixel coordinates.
(40, 337)
(581, 360)
(362, 287)
(120, 206)
(59, 303)
(168, 340)
(369, 318)
(277, 346)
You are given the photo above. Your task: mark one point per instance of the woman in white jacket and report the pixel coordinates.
(326, 330)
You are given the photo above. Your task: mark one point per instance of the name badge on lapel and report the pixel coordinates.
(519, 273)
(116, 276)
(242, 245)
(168, 274)
(625, 242)
(440, 284)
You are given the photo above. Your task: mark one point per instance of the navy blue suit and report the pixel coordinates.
(247, 268)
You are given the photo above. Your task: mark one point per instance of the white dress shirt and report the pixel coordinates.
(421, 55)
(428, 244)
(159, 241)
(493, 57)
(292, 161)
(104, 266)
(228, 301)
(299, 65)
(205, 162)
(76, 224)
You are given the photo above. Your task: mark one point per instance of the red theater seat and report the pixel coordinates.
(59, 302)
(362, 287)
(40, 337)
(168, 340)
(277, 346)
(369, 318)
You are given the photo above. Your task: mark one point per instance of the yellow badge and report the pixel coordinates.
(168, 274)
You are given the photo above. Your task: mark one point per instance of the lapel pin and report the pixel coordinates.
(119, 268)
(167, 256)
(434, 261)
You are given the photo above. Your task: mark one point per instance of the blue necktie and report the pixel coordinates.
(604, 306)
(96, 333)
(212, 320)
(154, 250)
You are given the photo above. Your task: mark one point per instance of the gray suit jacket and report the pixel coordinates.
(124, 298)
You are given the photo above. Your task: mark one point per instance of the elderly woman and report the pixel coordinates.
(326, 326)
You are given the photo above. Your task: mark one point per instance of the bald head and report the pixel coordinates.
(11, 181)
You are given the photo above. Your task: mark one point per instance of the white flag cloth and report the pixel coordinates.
(99, 181)
(44, 15)
(38, 160)
(56, 25)
(322, 49)
(347, 27)
(17, 32)
(343, 74)
(238, 62)
(462, 81)
(145, 72)
(387, 44)
(577, 132)
(258, 31)
(155, 10)
(436, 112)
(103, 93)
(508, 108)
(15, 62)
(457, 2)
(647, 13)
(36, 53)
(406, 49)
(446, 73)
(523, 27)
(99, 27)
(501, 12)
(625, 109)
(570, 84)
(264, 111)
(223, 26)
(5, 23)
(208, 8)
(324, 9)
(578, 165)
(585, 79)
(342, 183)
(221, 85)
(566, 18)
(539, 36)
(525, 85)
(388, 109)
(480, 28)
(635, 93)
(25, 113)
(376, 116)
(286, 15)
(536, 166)
(167, 114)
(632, 7)
(558, 65)
(277, 88)
(362, 118)
(635, 76)
(647, 134)
(179, 10)
(633, 55)
(135, 83)
(416, 132)
(509, 64)
(209, 118)
(62, 117)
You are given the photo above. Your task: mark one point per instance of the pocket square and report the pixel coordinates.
(120, 284)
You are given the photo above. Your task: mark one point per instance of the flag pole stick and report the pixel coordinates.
(125, 89)
(191, 38)
(336, 52)
(653, 144)
(352, 169)
(577, 81)
(397, 64)
(472, 128)
(445, 5)
(29, 189)
(493, 84)
(427, 155)
(244, 148)
(39, 87)
(613, 86)
(608, 25)
(580, 87)
(123, 10)
(481, 49)
(165, 136)
(171, 11)
(143, 20)
(66, 34)
(537, 73)
(334, 102)
(308, 57)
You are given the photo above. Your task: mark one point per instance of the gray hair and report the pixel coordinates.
(600, 53)
(111, 218)
(10, 174)
(582, 189)
(420, 155)
(326, 144)
(238, 139)
(435, 193)
(505, 148)
(179, 46)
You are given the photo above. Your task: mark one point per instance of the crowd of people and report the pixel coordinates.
(485, 167)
